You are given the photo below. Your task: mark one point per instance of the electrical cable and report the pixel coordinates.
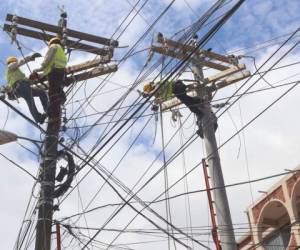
(18, 166)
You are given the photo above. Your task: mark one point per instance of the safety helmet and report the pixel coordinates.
(11, 59)
(148, 87)
(54, 40)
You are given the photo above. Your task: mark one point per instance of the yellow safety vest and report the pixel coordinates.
(165, 92)
(59, 60)
(12, 76)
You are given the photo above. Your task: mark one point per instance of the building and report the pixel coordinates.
(275, 217)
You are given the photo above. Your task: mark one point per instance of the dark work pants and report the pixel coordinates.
(56, 83)
(23, 89)
(56, 94)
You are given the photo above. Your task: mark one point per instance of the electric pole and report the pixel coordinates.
(74, 74)
(47, 177)
(207, 124)
(230, 71)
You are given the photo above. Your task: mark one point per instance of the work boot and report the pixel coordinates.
(200, 132)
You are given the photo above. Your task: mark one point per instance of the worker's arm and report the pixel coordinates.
(48, 58)
(13, 66)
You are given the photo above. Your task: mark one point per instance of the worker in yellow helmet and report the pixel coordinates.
(164, 90)
(53, 67)
(161, 93)
(18, 85)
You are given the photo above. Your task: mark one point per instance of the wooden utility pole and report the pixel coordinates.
(74, 74)
(48, 171)
(58, 236)
(230, 71)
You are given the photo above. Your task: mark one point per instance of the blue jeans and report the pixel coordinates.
(23, 89)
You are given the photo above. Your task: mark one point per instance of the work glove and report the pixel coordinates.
(35, 55)
(4, 89)
(34, 76)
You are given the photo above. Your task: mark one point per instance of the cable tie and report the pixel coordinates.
(47, 183)
(45, 202)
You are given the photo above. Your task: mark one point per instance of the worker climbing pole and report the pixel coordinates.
(54, 77)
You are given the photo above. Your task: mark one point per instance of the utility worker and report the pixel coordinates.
(170, 89)
(195, 105)
(20, 86)
(178, 89)
(161, 93)
(53, 67)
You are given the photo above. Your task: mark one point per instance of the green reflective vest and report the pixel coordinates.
(12, 76)
(165, 92)
(59, 60)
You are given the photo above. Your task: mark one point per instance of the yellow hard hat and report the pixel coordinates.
(11, 59)
(148, 87)
(54, 40)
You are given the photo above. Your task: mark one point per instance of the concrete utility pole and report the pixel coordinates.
(230, 71)
(225, 227)
(73, 74)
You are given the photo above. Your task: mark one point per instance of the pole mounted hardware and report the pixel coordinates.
(225, 69)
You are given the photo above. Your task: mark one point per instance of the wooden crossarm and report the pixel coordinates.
(91, 74)
(87, 65)
(225, 73)
(57, 29)
(182, 56)
(70, 43)
(190, 48)
(233, 79)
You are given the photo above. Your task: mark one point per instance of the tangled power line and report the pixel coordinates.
(123, 116)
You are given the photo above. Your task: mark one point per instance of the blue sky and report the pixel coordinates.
(255, 22)
(251, 24)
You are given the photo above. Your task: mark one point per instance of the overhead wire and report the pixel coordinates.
(166, 182)
(186, 185)
(241, 129)
(18, 166)
(118, 164)
(217, 5)
(256, 117)
(203, 40)
(138, 41)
